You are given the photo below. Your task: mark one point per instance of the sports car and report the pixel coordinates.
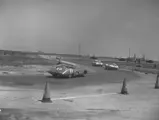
(112, 66)
(97, 63)
(67, 71)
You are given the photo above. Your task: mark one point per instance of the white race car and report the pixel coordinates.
(97, 63)
(112, 66)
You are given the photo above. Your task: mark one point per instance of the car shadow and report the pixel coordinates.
(56, 77)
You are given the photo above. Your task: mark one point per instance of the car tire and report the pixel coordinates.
(85, 71)
(70, 76)
(83, 74)
(76, 74)
(54, 75)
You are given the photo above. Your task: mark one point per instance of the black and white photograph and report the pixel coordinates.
(79, 59)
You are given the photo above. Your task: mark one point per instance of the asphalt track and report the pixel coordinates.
(37, 82)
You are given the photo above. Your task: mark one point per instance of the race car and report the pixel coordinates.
(112, 66)
(68, 71)
(97, 63)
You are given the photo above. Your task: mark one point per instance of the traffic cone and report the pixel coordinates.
(156, 84)
(46, 96)
(124, 89)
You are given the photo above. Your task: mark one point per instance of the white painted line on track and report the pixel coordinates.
(84, 96)
(74, 97)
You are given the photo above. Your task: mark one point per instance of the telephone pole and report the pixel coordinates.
(129, 52)
(79, 49)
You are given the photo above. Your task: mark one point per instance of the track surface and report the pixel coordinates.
(100, 77)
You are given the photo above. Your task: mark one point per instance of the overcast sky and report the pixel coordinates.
(102, 27)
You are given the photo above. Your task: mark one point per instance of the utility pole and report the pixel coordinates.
(134, 57)
(79, 49)
(129, 52)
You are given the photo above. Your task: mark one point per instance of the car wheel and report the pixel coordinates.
(83, 74)
(85, 71)
(54, 75)
(70, 76)
(75, 74)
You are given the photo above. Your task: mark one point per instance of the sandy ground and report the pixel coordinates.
(95, 102)
(94, 97)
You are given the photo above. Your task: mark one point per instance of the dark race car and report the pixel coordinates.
(68, 71)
